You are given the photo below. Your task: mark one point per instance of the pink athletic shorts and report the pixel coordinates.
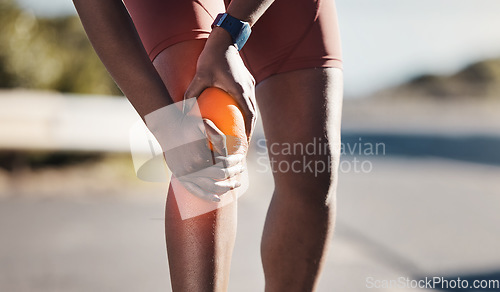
(290, 35)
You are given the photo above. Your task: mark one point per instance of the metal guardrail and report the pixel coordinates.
(31, 120)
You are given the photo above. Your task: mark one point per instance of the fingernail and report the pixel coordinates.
(237, 184)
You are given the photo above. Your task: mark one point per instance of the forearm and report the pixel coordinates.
(114, 38)
(248, 10)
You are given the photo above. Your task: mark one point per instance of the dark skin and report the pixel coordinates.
(300, 218)
(113, 35)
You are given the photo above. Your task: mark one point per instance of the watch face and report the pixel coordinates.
(219, 19)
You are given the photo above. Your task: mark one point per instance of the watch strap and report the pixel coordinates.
(239, 30)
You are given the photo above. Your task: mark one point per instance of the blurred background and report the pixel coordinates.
(422, 78)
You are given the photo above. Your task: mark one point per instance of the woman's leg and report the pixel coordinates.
(199, 248)
(298, 109)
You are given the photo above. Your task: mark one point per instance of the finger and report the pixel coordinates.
(218, 173)
(216, 137)
(229, 184)
(197, 191)
(209, 186)
(232, 171)
(216, 187)
(188, 104)
(246, 102)
(253, 120)
(251, 130)
(230, 160)
(195, 88)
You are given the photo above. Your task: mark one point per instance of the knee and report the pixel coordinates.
(312, 181)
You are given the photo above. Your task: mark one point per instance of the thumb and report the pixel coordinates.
(216, 137)
(194, 89)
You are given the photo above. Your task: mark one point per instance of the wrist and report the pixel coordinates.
(219, 39)
(238, 30)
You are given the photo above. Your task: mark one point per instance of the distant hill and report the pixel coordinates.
(479, 80)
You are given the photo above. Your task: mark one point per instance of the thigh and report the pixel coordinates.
(173, 33)
(301, 113)
(163, 23)
(177, 66)
(295, 36)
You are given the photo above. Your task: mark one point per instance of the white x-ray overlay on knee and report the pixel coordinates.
(201, 180)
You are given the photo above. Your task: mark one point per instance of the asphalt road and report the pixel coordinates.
(407, 217)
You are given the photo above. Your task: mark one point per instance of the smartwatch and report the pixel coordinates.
(239, 30)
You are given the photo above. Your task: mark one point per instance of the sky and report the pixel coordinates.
(387, 42)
